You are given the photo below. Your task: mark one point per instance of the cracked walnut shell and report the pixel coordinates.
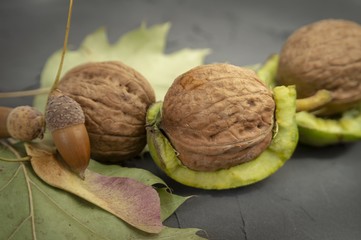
(114, 98)
(217, 116)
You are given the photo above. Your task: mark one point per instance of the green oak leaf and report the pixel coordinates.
(143, 49)
(32, 209)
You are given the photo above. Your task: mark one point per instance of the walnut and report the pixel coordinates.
(217, 116)
(114, 98)
(324, 55)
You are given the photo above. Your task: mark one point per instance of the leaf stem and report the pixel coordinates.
(57, 79)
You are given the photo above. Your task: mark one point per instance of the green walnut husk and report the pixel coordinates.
(279, 151)
(313, 130)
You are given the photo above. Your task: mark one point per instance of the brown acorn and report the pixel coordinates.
(65, 119)
(23, 123)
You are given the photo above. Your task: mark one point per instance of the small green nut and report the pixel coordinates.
(177, 163)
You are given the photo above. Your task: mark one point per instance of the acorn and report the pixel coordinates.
(22, 123)
(65, 119)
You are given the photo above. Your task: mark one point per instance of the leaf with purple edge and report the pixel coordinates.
(30, 208)
(169, 202)
(128, 199)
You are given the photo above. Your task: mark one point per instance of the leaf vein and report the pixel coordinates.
(31, 202)
(66, 212)
(18, 227)
(11, 179)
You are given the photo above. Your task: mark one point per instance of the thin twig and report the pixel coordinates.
(25, 93)
(57, 79)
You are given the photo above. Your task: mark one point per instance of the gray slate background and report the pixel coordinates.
(316, 195)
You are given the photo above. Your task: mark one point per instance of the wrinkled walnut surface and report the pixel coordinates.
(324, 55)
(217, 116)
(114, 98)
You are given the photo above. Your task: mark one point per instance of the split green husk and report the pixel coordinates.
(318, 131)
(280, 150)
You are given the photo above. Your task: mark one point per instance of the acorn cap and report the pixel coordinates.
(62, 111)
